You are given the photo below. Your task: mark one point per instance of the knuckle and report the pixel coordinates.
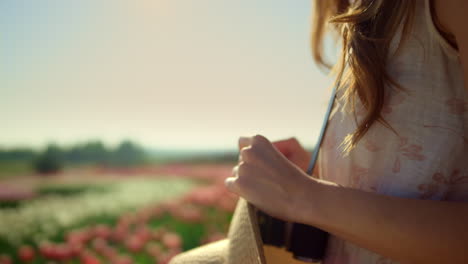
(258, 140)
(247, 154)
(235, 170)
(232, 184)
(242, 169)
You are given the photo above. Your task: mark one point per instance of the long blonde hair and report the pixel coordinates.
(365, 28)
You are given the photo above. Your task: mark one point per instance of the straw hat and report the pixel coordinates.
(243, 245)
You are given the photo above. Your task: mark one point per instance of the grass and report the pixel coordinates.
(71, 189)
(14, 168)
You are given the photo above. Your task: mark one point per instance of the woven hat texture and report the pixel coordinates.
(242, 246)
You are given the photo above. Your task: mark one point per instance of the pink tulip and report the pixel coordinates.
(5, 259)
(109, 253)
(75, 249)
(102, 231)
(119, 234)
(80, 236)
(99, 245)
(143, 232)
(172, 240)
(188, 214)
(46, 249)
(88, 258)
(159, 233)
(166, 258)
(134, 244)
(26, 253)
(154, 250)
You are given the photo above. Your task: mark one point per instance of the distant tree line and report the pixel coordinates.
(54, 157)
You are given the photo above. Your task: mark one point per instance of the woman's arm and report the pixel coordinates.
(406, 230)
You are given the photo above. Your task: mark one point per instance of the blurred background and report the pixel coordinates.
(120, 119)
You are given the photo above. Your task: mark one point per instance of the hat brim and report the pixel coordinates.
(243, 245)
(212, 253)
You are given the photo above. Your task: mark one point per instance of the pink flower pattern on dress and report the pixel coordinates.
(396, 99)
(371, 146)
(456, 106)
(441, 185)
(357, 175)
(359, 178)
(408, 151)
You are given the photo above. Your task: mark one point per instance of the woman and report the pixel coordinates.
(391, 184)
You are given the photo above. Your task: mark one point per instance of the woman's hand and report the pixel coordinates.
(293, 151)
(267, 179)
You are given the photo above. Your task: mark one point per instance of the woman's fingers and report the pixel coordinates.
(265, 177)
(258, 151)
(242, 181)
(244, 142)
(287, 146)
(232, 183)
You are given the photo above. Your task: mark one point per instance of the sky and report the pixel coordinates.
(169, 74)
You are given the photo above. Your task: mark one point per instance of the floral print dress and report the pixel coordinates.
(427, 155)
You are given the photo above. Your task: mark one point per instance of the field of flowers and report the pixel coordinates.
(146, 220)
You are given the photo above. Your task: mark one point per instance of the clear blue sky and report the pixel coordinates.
(167, 73)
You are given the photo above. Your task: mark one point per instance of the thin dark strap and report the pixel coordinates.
(310, 169)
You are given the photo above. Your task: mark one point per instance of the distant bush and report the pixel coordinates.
(50, 161)
(127, 154)
(90, 152)
(54, 158)
(17, 154)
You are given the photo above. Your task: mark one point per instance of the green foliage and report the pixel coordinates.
(9, 204)
(127, 154)
(53, 158)
(191, 233)
(71, 189)
(17, 154)
(10, 168)
(50, 161)
(90, 152)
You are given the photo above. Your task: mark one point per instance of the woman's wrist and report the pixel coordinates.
(311, 202)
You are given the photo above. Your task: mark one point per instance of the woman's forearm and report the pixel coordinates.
(406, 230)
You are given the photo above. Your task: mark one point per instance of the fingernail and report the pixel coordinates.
(229, 183)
